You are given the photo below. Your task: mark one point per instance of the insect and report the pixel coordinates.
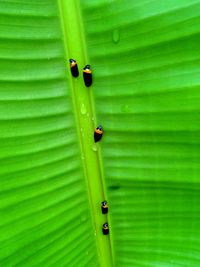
(87, 75)
(104, 207)
(105, 229)
(74, 68)
(98, 133)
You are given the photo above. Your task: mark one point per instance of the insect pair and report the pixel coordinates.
(87, 73)
(104, 210)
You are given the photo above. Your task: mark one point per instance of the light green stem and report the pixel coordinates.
(75, 47)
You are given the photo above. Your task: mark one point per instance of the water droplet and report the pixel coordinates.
(83, 109)
(116, 36)
(94, 148)
(92, 118)
(81, 129)
(83, 157)
(125, 108)
(87, 114)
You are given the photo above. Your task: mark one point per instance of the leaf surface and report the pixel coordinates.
(145, 63)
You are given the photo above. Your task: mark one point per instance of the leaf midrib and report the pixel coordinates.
(75, 47)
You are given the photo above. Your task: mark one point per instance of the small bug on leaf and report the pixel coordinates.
(104, 207)
(87, 75)
(105, 229)
(74, 68)
(98, 133)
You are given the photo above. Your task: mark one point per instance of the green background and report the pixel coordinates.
(145, 59)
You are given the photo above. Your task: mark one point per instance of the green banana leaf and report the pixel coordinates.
(145, 60)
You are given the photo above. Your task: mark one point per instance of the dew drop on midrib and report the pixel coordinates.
(116, 36)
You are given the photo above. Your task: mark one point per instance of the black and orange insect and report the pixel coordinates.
(87, 75)
(104, 207)
(105, 229)
(98, 133)
(74, 68)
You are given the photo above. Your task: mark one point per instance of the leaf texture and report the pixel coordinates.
(145, 62)
(145, 57)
